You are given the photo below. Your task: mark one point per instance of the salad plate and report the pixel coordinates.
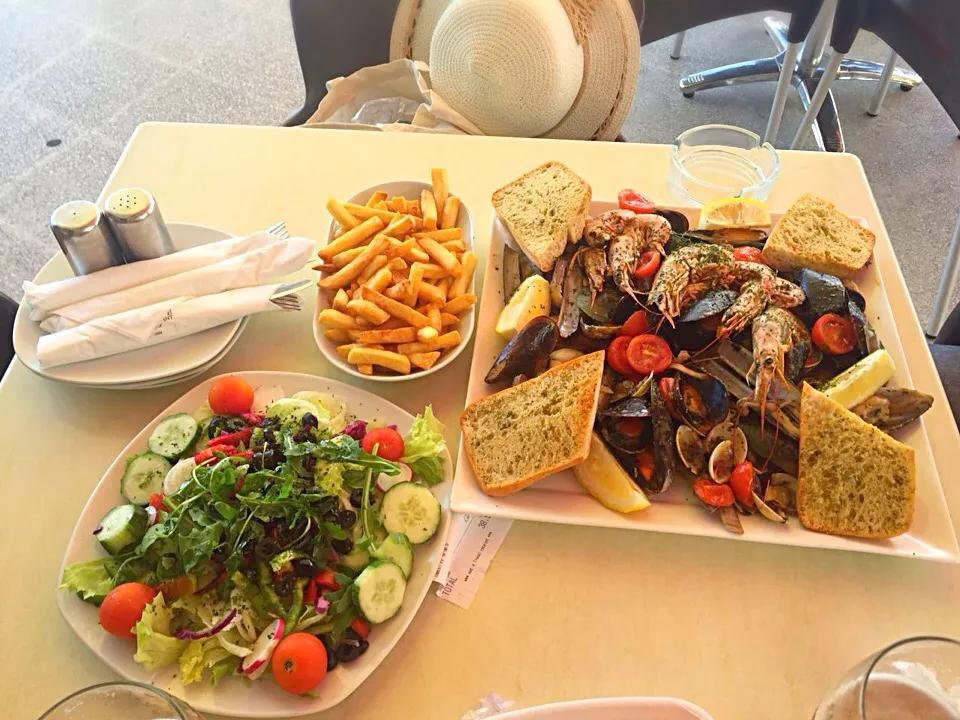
(139, 366)
(235, 695)
(612, 709)
(560, 499)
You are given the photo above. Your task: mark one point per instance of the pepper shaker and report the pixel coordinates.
(137, 224)
(85, 237)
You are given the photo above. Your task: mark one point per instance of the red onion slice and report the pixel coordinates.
(185, 634)
(321, 605)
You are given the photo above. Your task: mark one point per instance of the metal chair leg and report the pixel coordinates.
(823, 87)
(883, 84)
(948, 281)
(780, 97)
(677, 44)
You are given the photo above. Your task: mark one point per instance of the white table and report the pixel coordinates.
(746, 631)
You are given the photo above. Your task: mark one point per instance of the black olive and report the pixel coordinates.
(283, 585)
(363, 646)
(342, 546)
(213, 428)
(348, 650)
(305, 567)
(234, 424)
(257, 461)
(302, 436)
(270, 422)
(356, 497)
(346, 519)
(310, 420)
(251, 573)
(309, 463)
(332, 661)
(266, 548)
(271, 458)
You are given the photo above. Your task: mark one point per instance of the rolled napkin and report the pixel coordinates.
(152, 325)
(47, 297)
(257, 267)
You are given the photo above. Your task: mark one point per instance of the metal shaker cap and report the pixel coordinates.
(137, 224)
(84, 237)
(75, 216)
(129, 204)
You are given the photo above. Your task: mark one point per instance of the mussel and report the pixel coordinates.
(678, 221)
(664, 452)
(867, 340)
(730, 236)
(527, 353)
(712, 303)
(825, 294)
(610, 306)
(702, 401)
(892, 408)
(780, 449)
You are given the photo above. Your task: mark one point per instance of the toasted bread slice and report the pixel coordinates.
(544, 210)
(534, 429)
(814, 234)
(854, 479)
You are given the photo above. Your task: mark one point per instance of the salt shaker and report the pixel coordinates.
(137, 224)
(85, 237)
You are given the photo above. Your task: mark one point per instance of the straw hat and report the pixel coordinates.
(530, 68)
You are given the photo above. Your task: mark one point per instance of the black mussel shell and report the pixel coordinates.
(701, 402)
(630, 407)
(713, 303)
(730, 236)
(528, 352)
(859, 300)
(624, 442)
(611, 307)
(664, 448)
(867, 340)
(678, 221)
(690, 336)
(795, 361)
(825, 294)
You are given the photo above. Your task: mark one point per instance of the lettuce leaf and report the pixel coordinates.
(424, 447)
(91, 580)
(227, 666)
(198, 656)
(155, 645)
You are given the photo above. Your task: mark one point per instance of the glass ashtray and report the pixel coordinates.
(717, 161)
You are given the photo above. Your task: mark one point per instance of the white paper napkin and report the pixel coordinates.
(44, 298)
(152, 325)
(253, 268)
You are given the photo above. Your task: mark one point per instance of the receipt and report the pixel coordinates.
(472, 543)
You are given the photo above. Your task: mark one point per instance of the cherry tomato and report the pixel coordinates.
(632, 200)
(649, 354)
(748, 253)
(361, 627)
(648, 264)
(325, 580)
(389, 440)
(636, 324)
(741, 482)
(230, 395)
(645, 464)
(617, 355)
(299, 663)
(834, 334)
(667, 386)
(176, 588)
(713, 494)
(121, 609)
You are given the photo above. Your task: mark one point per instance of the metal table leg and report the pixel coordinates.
(787, 69)
(882, 85)
(678, 44)
(823, 88)
(948, 281)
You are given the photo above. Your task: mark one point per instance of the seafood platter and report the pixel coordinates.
(753, 382)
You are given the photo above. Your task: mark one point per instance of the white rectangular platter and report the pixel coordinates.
(560, 499)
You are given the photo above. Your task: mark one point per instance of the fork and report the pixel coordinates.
(286, 296)
(279, 230)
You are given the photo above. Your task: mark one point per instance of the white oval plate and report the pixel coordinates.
(409, 189)
(138, 366)
(234, 696)
(612, 709)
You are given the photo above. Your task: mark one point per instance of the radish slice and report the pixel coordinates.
(178, 475)
(385, 482)
(265, 396)
(256, 662)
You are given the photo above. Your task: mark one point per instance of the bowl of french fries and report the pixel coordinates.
(396, 293)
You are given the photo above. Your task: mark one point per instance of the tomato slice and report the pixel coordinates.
(636, 324)
(648, 264)
(632, 200)
(617, 355)
(712, 493)
(648, 354)
(741, 482)
(748, 253)
(834, 334)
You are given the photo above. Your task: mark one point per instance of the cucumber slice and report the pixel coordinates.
(204, 412)
(173, 436)
(122, 527)
(398, 550)
(410, 509)
(144, 477)
(319, 401)
(378, 591)
(356, 559)
(290, 411)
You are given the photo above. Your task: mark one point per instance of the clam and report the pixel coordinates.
(678, 221)
(558, 357)
(731, 520)
(690, 449)
(767, 511)
(527, 353)
(702, 401)
(726, 430)
(721, 462)
(781, 493)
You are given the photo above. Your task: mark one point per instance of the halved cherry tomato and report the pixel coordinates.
(121, 609)
(361, 627)
(667, 385)
(649, 354)
(299, 663)
(648, 264)
(325, 580)
(632, 200)
(310, 593)
(834, 334)
(176, 588)
(630, 427)
(636, 324)
(617, 355)
(741, 482)
(748, 253)
(713, 494)
(388, 440)
(645, 464)
(230, 395)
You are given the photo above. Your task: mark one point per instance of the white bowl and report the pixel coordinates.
(409, 189)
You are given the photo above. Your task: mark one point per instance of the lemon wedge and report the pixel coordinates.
(860, 381)
(531, 300)
(601, 476)
(734, 212)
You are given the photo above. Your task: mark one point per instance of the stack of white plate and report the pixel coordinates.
(151, 367)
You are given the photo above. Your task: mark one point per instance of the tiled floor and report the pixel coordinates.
(86, 72)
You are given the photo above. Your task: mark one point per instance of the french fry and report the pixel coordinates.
(416, 277)
(438, 176)
(432, 271)
(443, 257)
(392, 324)
(418, 255)
(370, 270)
(340, 300)
(436, 319)
(349, 272)
(413, 207)
(454, 246)
(447, 340)
(444, 287)
(325, 268)
(384, 358)
(398, 204)
(427, 334)
(379, 281)
(352, 238)
(397, 265)
(343, 259)
(336, 319)
(344, 350)
(424, 361)
(441, 235)
(397, 309)
(460, 304)
(382, 206)
(403, 225)
(376, 198)
(403, 248)
(446, 320)
(462, 282)
(428, 210)
(337, 335)
(368, 311)
(385, 337)
(341, 214)
(398, 291)
(364, 212)
(364, 368)
(451, 212)
(433, 293)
